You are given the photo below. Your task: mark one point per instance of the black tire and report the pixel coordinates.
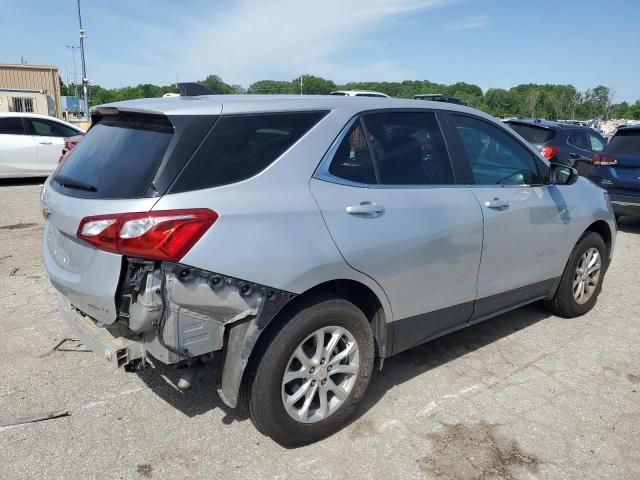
(564, 302)
(263, 386)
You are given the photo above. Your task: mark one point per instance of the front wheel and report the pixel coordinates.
(581, 281)
(312, 371)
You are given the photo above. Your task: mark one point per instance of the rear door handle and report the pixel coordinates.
(46, 142)
(497, 203)
(365, 209)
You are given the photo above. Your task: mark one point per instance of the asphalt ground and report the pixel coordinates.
(524, 395)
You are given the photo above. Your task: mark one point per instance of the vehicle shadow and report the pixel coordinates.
(629, 224)
(418, 360)
(19, 182)
(200, 399)
(398, 369)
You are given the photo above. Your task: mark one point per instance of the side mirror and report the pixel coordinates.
(563, 174)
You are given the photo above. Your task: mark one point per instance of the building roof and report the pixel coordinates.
(18, 66)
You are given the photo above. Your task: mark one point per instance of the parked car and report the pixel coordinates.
(565, 143)
(617, 168)
(359, 93)
(438, 97)
(30, 144)
(68, 145)
(296, 240)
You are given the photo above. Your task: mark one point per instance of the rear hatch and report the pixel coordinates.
(624, 170)
(124, 164)
(535, 135)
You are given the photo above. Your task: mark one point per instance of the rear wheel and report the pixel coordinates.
(312, 371)
(581, 281)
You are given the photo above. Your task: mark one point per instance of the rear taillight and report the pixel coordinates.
(160, 235)
(549, 151)
(603, 160)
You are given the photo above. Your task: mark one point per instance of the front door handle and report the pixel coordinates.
(46, 142)
(497, 203)
(365, 209)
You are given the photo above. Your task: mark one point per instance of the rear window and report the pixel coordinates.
(625, 142)
(118, 156)
(533, 134)
(240, 146)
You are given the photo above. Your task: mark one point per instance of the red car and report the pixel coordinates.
(69, 144)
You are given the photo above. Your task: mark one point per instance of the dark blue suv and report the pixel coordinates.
(559, 142)
(617, 168)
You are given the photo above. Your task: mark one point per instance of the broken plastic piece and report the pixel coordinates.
(35, 418)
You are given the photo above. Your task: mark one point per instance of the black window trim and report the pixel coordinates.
(322, 170)
(542, 168)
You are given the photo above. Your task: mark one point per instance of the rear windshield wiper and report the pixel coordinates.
(73, 183)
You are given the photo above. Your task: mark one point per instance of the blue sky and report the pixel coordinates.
(492, 43)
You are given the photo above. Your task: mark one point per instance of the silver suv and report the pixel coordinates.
(294, 241)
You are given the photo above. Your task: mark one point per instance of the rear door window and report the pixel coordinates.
(495, 157)
(595, 142)
(625, 142)
(241, 146)
(578, 139)
(49, 128)
(352, 160)
(533, 134)
(11, 126)
(409, 148)
(118, 156)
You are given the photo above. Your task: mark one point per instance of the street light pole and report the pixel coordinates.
(85, 80)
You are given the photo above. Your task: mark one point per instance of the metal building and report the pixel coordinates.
(30, 88)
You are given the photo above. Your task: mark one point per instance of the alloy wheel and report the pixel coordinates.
(320, 374)
(587, 275)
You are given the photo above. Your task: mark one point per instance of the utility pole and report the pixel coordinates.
(85, 80)
(300, 84)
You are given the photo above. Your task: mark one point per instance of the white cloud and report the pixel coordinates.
(251, 39)
(468, 24)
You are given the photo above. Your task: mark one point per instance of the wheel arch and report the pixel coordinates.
(363, 297)
(601, 228)
(245, 340)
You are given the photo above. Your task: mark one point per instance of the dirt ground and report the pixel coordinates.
(525, 395)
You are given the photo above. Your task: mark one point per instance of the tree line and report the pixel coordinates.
(550, 101)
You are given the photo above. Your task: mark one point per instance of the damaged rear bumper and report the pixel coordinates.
(117, 351)
(178, 314)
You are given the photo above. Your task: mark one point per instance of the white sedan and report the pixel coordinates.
(31, 145)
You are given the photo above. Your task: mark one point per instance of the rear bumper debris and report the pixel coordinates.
(117, 351)
(178, 314)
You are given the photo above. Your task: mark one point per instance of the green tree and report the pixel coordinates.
(215, 83)
(314, 85)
